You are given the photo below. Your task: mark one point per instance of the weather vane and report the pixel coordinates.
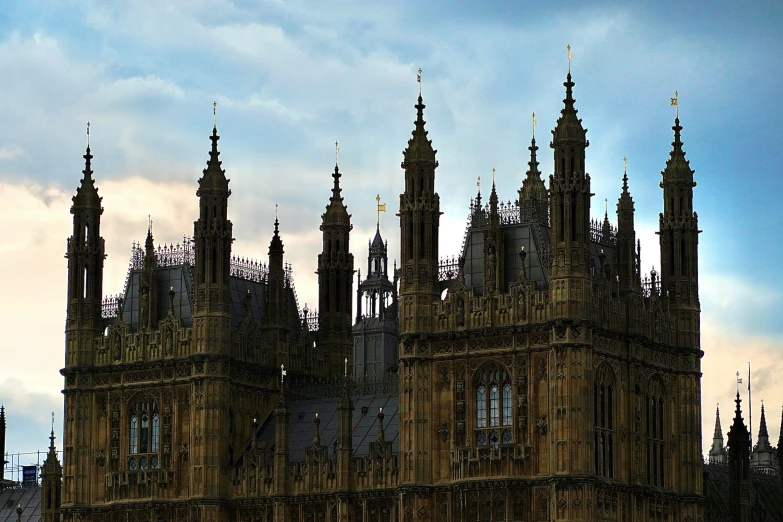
(88, 134)
(418, 79)
(478, 183)
(535, 122)
(739, 381)
(53, 421)
(381, 208)
(493, 175)
(625, 165)
(676, 102)
(570, 57)
(336, 152)
(214, 114)
(276, 207)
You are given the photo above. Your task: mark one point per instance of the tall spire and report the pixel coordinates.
(533, 198)
(569, 126)
(87, 193)
(717, 454)
(763, 425)
(718, 432)
(276, 245)
(419, 147)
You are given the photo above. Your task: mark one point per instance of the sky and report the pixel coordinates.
(291, 78)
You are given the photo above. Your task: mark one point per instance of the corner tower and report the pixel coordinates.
(335, 280)
(569, 192)
(85, 254)
(212, 235)
(679, 241)
(419, 223)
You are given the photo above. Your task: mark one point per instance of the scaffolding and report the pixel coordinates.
(16, 461)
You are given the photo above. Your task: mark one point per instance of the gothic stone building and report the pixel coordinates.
(539, 377)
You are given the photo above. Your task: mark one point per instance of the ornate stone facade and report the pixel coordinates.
(550, 382)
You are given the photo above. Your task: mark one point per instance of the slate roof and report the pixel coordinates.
(301, 428)
(180, 277)
(765, 496)
(29, 497)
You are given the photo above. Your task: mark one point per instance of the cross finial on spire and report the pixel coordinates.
(739, 380)
(535, 122)
(149, 223)
(53, 422)
(676, 102)
(336, 152)
(570, 57)
(88, 134)
(214, 114)
(606, 209)
(418, 79)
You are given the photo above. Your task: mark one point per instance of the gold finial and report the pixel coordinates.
(676, 102)
(570, 57)
(381, 208)
(336, 152)
(53, 419)
(214, 114)
(418, 79)
(88, 134)
(535, 122)
(493, 176)
(276, 208)
(625, 165)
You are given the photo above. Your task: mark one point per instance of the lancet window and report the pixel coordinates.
(603, 413)
(654, 418)
(493, 407)
(144, 435)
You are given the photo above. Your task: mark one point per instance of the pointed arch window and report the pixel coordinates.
(144, 435)
(494, 415)
(654, 417)
(603, 415)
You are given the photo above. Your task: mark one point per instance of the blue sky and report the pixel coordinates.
(290, 78)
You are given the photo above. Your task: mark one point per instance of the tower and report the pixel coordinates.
(85, 255)
(718, 451)
(335, 280)
(276, 302)
(739, 467)
(212, 237)
(679, 238)
(375, 331)
(569, 199)
(419, 223)
(51, 475)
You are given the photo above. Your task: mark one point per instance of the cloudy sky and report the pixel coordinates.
(291, 77)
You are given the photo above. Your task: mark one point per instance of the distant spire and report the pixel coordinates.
(569, 127)
(276, 245)
(214, 177)
(149, 243)
(763, 427)
(677, 166)
(493, 196)
(51, 437)
(718, 432)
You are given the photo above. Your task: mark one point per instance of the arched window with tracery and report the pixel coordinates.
(603, 415)
(144, 435)
(654, 417)
(494, 413)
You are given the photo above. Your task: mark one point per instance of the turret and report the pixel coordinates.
(51, 479)
(533, 197)
(85, 254)
(679, 239)
(276, 304)
(629, 278)
(717, 453)
(419, 225)
(212, 236)
(335, 280)
(569, 203)
(762, 458)
(148, 286)
(739, 467)
(493, 246)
